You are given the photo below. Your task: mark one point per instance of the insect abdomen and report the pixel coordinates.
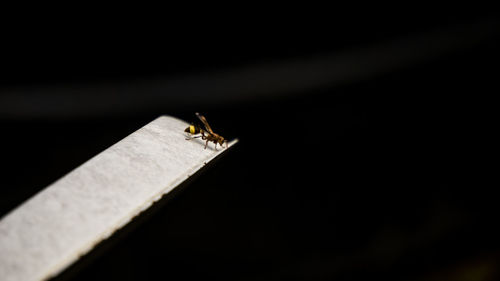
(193, 130)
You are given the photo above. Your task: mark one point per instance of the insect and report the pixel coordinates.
(205, 134)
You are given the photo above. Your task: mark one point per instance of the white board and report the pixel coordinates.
(51, 230)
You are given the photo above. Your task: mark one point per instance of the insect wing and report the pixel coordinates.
(204, 121)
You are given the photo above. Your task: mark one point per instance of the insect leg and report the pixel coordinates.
(190, 137)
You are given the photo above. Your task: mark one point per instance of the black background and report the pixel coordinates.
(388, 176)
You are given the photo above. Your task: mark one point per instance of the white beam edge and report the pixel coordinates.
(66, 220)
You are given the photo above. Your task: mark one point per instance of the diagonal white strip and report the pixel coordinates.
(51, 230)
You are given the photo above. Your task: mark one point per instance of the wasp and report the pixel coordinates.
(205, 134)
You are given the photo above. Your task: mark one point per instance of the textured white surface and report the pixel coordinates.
(67, 219)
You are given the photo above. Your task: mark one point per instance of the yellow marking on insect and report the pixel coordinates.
(192, 129)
